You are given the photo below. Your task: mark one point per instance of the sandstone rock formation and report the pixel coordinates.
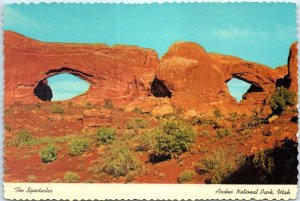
(186, 78)
(120, 72)
(293, 67)
(197, 79)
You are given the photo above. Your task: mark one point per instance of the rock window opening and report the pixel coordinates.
(61, 87)
(238, 88)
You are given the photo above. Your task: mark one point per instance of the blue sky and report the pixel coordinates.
(259, 32)
(65, 86)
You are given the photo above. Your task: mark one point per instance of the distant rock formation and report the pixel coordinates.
(190, 77)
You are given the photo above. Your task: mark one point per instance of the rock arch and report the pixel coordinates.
(121, 73)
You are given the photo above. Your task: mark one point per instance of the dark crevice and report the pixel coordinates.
(285, 82)
(43, 91)
(77, 73)
(254, 88)
(159, 89)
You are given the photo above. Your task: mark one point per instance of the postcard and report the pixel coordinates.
(150, 101)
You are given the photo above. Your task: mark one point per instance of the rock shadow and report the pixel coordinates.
(43, 91)
(159, 89)
(272, 166)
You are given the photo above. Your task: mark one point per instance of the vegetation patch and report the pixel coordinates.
(78, 146)
(22, 138)
(137, 124)
(171, 140)
(281, 100)
(219, 165)
(57, 109)
(119, 160)
(48, 154)
(71, 177)
(108, 103)
(106, 135)
(186, 176)
(223, 132)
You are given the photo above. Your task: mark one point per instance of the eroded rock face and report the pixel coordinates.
(191, 76)
(293, 67)
(121, 73)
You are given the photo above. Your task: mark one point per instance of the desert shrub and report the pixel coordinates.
(105, 135)
(172, 139)
(137, 124)
(88, 105)
(264, 161)
(233, 116)
(204, 121)
(31, 178)
(108, 103)
(70, 104)
(7, 127)
(186, 176)
(217, 114)
(77, 146)
(138, 110)
(204, 133)
(223, 132)
(253, 121)
(281, 99)
(57, 109)
(22, 138)
(71, 177)
(147, 141)
(218, 164)
(162, 175)
(48, 154)
(120, 161)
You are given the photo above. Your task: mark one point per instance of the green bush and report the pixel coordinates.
(137, 124)
(219, 165)
(106, 135)
(77, 146)
(22, 138)
(281, 99)
(48, 154)
(57, 109)
(223, 132)
(120, 161)
(217, 114)
(108, 103)
(172, 139)
(71, 177)
(186, 176)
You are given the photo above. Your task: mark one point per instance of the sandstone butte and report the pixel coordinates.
(187, 75)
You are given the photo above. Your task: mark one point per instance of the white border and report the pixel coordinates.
(132, 191)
